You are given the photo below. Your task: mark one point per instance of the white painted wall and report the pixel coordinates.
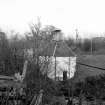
(62, 64)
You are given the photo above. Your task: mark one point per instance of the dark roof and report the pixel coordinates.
(62, 50)
(77, 51)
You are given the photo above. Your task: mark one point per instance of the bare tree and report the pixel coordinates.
(41, 37)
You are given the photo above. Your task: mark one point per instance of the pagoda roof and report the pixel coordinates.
(61, 50)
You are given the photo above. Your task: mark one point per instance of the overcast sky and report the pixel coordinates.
(88, 16)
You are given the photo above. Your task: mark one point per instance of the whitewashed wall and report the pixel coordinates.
(62, 64)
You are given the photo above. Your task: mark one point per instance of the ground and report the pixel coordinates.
(93, 60)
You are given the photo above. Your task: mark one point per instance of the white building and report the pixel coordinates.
(62, 58)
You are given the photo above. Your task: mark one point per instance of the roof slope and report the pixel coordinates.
(62, 50)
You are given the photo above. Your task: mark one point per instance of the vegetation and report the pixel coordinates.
(14, 51)
(92, 89)
(94, 45)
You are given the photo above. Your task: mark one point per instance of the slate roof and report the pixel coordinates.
(62, 50)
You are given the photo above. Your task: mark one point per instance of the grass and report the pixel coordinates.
(84, 71)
